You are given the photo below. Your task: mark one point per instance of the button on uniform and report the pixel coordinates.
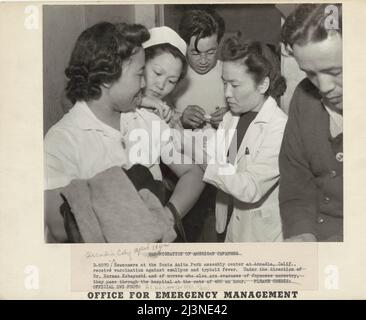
(339, 156)
(320, 220)
(332, 174)
(326, 199)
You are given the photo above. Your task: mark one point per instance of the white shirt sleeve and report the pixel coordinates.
(60, 159)
(259, 176)
(170, 151)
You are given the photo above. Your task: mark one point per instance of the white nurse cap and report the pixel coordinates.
(160, 35)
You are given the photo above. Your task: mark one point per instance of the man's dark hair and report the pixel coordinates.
(260, 62)
(153, 51)
(98, 56)
(308, 23)
(202, 24)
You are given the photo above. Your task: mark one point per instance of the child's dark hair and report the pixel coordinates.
(259, 60)
(153, 51)
(98, 56)
(202, 24)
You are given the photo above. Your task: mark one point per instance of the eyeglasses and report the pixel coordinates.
(200, 55)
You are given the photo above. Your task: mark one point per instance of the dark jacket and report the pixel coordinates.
(117, 206)
(311, 170)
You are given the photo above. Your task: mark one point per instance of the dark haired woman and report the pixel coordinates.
(245, 169)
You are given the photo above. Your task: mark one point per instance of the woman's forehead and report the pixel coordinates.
(234, 69)
(167, 62)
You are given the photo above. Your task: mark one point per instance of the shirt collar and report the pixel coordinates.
(267, 110)
(336, 120)
(86, 119)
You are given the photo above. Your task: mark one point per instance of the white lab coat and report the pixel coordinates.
(253, 178)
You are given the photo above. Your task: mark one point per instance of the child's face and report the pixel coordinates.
(125, 94)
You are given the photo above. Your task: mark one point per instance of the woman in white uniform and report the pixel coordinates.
(165, 66)
(244, 154)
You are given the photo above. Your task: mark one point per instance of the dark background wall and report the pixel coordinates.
(256, 22)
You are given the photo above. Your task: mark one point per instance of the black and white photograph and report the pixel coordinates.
(193, 123)
(182, 152)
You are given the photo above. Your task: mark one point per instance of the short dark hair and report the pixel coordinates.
(98, 56)
(260, 62)
(307, 24)
(153, 51)
(202, 24)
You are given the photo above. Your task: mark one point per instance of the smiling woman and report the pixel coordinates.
(106, 79)
(77, 145)
(311, 159)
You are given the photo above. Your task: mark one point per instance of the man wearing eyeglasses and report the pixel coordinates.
(200, 99)
(200, 95)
